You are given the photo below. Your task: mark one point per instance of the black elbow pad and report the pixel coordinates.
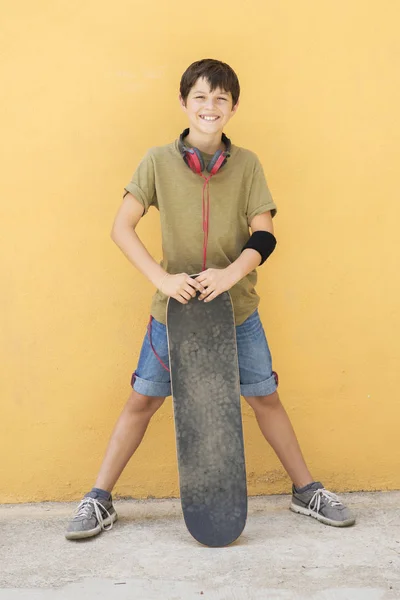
(262, 241)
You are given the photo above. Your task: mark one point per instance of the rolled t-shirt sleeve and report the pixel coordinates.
(143, 183)
(260, 199)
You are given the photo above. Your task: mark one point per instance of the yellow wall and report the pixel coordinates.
(87, 87)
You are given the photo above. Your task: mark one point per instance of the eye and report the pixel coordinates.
(199, 97)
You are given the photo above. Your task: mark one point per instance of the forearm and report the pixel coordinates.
(244, 264)
(129, 243)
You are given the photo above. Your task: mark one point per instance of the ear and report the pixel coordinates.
(182, 103)
(234, 109)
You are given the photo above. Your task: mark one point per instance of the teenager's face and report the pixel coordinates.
(207, 111)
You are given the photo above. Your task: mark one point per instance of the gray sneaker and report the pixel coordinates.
(93, 515)
(325, 506)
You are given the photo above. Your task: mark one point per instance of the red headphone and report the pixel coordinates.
(194, 159)
(195, 162)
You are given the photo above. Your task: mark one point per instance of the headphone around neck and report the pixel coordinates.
(194, 159)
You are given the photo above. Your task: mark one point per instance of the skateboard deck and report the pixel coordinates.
(208, 422)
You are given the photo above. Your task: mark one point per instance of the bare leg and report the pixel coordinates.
(126, 437)
(278, 431)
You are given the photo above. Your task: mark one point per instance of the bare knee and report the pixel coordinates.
(138, 403)
(260, 402)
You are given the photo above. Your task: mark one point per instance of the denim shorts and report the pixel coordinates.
(152, 377)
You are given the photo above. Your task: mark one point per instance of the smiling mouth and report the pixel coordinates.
(208, 119)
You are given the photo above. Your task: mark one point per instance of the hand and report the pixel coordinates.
(181, 287)
(215, 281)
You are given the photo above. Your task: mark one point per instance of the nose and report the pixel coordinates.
(210, 103)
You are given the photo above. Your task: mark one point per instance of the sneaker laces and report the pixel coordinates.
(87, 506)
(322, 495)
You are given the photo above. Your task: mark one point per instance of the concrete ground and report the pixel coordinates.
(149, 555)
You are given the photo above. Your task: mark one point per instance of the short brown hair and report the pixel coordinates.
(217, 73)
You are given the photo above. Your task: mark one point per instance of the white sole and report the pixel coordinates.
(311, 513)
(79, 535)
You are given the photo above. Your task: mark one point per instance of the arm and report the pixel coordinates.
(219, 280)
(250, 259)
(180, 286)
(124, 235)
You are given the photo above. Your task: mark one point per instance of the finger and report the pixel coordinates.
(207, 292)
(197, 285)
(191, 291)
(212, 296)
(180, 299)
(185, 294)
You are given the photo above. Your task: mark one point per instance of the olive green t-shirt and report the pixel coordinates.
(238, 192)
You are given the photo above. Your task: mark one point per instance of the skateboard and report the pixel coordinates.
(208, 423)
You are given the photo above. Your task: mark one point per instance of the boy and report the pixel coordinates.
(208, 192)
